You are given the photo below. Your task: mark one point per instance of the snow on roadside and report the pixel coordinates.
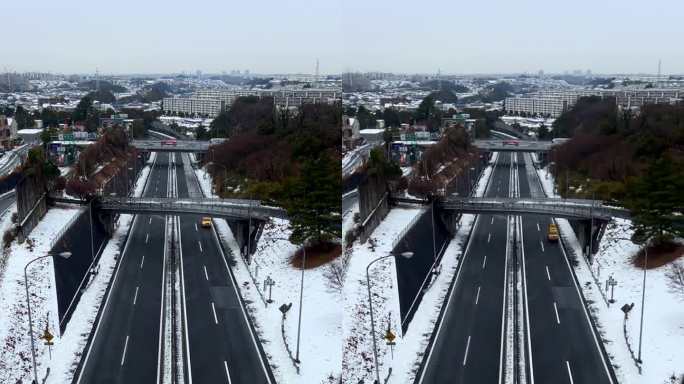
(357, 359)
(663, 310)
(15, 344)
(321, 335)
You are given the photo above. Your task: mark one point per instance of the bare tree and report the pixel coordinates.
(676, 276)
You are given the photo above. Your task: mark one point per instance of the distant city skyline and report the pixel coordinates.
(77, 36)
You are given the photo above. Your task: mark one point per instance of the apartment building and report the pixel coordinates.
(553, 103)
(281, 97)
(193, 106)
(545, 106)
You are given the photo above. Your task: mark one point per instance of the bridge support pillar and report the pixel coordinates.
(245, 236)
(588, 238)
(450, 220)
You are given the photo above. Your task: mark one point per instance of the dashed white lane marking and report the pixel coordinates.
(567, 365)
(492, 222)
(147, 238)
(225, 365)
(548, 275)
(484, 262)
(538, 228)
(465, 357)
(149, 221)
(142, 261)
(542, 245)
(213, 309)
(489, 237)
(206, 275)
(196, 230)
(200, 245)
(555, 309)
(135, 297)
(123, 355)
(477, 297)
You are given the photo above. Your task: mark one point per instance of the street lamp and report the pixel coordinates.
(643, 297)
(64, 255)
(406, 255)
(301, 299)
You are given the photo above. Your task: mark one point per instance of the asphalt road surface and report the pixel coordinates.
(467, 347)
(563, 346)
(125, 347)
(221, 346)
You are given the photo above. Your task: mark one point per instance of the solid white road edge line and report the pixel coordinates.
(584, 308)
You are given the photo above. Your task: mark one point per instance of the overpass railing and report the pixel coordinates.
(234, 208)
(568, 208)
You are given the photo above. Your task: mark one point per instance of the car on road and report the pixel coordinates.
(206, 222)
(552, 233)
(511, 142)
(169, 142)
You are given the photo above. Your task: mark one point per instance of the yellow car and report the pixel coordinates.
(206, 222)
(552, 233)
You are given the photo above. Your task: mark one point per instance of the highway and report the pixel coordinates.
(563, 346)
(222, 348)
(468, 345)
(126, 344)
(218, 343)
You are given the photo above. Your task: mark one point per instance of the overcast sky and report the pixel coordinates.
(267, 36)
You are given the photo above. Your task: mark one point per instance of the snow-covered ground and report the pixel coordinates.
(15, 355)
(321, 335)
(663, 336)
(15, 344)
(406, 356)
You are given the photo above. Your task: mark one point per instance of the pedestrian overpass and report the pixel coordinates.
(231, 209)
(513, 145)
(583, 209)
(167, 146)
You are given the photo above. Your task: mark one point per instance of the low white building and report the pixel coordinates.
(30, 135)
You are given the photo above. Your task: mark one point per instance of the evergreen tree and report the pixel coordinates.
(543, 133)
(82, 109)
(313, 201)
(426, 108)
(366, 119)
(654, 198)
(221, 127)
